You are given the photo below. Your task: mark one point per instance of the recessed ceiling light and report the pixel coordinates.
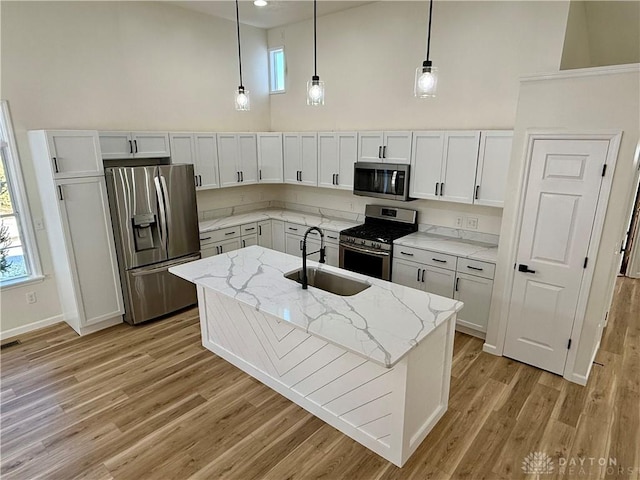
(260, 3)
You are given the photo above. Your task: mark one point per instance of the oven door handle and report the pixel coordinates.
(364, 250)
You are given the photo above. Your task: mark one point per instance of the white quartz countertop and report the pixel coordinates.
(381, 323)
(301, 218)
(453, 246)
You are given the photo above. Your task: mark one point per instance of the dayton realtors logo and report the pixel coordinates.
(537, 463)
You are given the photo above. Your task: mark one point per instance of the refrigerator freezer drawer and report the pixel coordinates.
(154, 292)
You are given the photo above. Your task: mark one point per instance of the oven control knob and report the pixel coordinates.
(362, 242)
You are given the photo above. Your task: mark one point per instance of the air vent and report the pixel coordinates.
(10, 344)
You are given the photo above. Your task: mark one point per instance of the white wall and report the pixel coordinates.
(118, 65)
(569, 103)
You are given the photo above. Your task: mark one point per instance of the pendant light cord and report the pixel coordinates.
(239, 51)
(315, 42)
(429, 28)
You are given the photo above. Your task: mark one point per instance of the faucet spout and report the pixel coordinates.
(305, 277)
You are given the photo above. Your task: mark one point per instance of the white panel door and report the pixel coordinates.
(397, 147)
(475, 293)
(493, 164)
(248, 158)
(228, 160)
(248, 240)
(291, 157)
(459, 167)
(439, 281)
(309, 159)
(75, 153)
(347, 157)
(370, 146)
(227, 246)
(87, 225)
(150, 144)
(426, 164)
(206, 150)
(265, 237)
(328, 161)
(116, 145)
(270, 161)
(277, 235)
(407, 274)
(559, 210)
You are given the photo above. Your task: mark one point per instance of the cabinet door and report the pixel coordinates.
(89, 239)
(75, 153)
(407, 274)
(265, 237)
(328, 162)
(347, 157)
(227, 246)
(291, 157)
(248, 240)
(475, 293)
(206, 154)
(150, 144)
(248, 158)
(426, 164)
(228, 159)
(270, 161)
(439, 281)
(459, 168)
(293, 245)
(309, 159)
(182, 148)
(332, 255)
(116, 145)
(397, 147)
(210, 251)
(277, 235)
(493, 164)
(370, 146)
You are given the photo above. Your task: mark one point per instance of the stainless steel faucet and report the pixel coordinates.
(305, 279)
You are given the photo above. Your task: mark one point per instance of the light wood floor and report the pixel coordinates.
(150, 402)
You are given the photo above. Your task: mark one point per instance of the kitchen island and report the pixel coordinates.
(375, 365)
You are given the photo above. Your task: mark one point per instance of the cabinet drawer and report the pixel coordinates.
(294, 228)
(249, 229)
(426, 257)
(477, 268)
(219, 235)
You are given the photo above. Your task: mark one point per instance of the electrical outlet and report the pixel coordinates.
(31, 297)
(241, 198)
(458, 222)
(472, 223)
(38, 223)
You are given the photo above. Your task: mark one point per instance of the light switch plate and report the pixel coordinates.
(38, 223)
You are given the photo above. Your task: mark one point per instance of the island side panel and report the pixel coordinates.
(358, 397)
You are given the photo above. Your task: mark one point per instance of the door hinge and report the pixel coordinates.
(569, 345)
(586, 260)
(604, 169)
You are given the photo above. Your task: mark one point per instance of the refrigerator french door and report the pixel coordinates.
(155, 223)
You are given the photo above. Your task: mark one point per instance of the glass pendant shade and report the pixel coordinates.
(315, 91)
(242, 101)
(426, 82)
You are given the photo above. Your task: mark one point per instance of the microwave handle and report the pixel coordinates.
(394, 176)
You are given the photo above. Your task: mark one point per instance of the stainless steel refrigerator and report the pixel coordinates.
(155, 223)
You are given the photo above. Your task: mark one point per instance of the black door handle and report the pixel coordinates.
(525, 268)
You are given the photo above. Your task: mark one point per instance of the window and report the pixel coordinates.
(276, 70)
(18, 256)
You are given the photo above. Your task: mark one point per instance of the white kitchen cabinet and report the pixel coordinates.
(278, 235)
(223, 246)
(426, 164)
(79, 232)
(120, 145)
(424, 277)
(337, 153)
(200, 150)
(387, 147)
(493, 164)
(293, 244)
(332, 253)
(300, 152)
(459, 166)
(406, 273)
(265, 234)
(475, 293)
(248, 240)
(237, 159)
(71, 153)
(270, 158)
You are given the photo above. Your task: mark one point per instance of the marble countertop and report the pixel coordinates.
(382, 323)
(308, 219)
(453, 246)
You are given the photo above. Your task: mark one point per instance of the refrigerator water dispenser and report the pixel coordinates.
(144, 225)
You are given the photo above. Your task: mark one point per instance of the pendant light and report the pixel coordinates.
(315, 88)
(242, 95)
(426, 80)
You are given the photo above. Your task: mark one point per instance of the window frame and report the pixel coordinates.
(17, 190)
(271, 70)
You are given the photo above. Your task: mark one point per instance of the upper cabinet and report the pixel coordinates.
(387, 147)
(337, 153)
(71, 153)
(270, 161)
(301, 158)
(493, 164)
(237, 159)
(200, 150)
(426, 164)
(119, 145)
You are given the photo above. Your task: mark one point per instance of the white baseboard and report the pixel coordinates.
(492, 349)
(582, 379)
(13, 332)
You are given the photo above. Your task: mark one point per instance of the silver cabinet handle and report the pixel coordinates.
(55, 165)
(406, 253)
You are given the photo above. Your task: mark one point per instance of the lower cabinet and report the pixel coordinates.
(475, 293)
(278, 236)
(423, 277)
(265, 234)
(216, 248)
(293, 244)
(248, 240)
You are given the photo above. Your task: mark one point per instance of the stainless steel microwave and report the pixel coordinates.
(381, 180)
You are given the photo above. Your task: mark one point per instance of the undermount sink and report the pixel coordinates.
(329, 282)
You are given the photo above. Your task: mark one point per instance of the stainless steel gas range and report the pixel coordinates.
(368, 248)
